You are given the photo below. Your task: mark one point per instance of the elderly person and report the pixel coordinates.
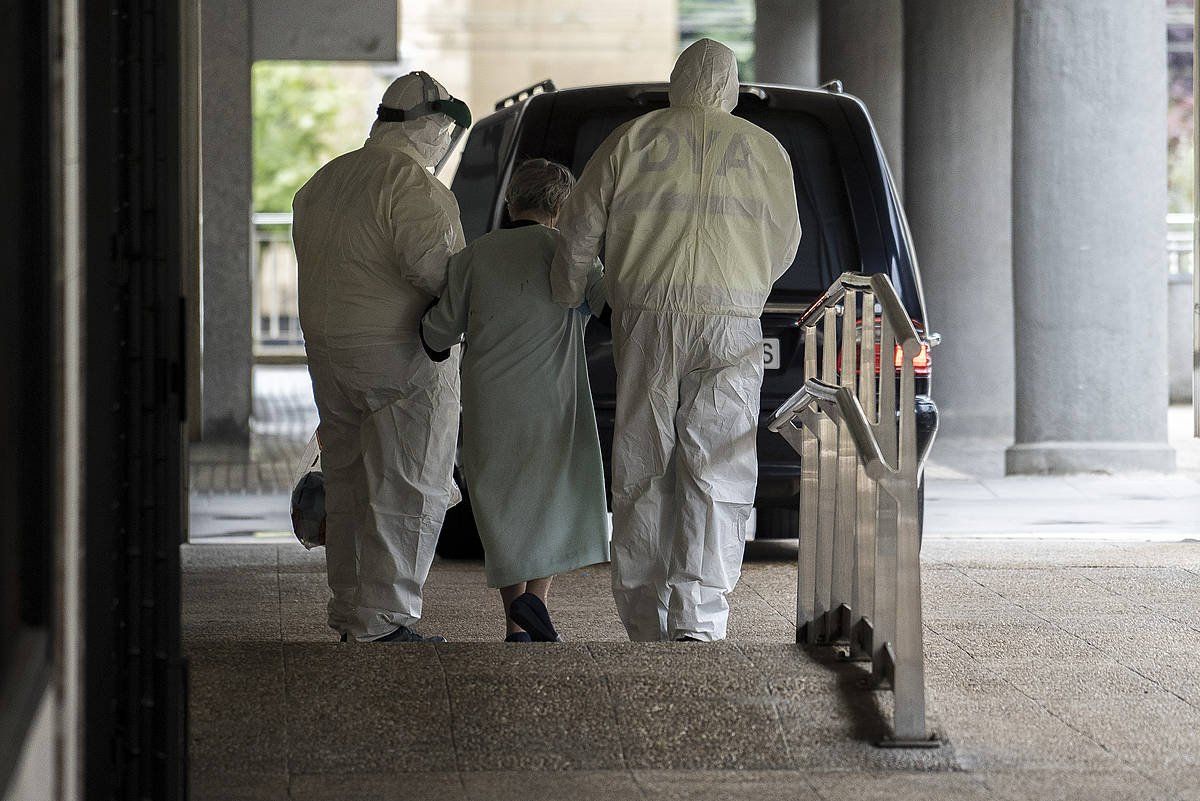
(530, 454)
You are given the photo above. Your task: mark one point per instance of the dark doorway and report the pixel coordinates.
(136, 679)
(27, 347)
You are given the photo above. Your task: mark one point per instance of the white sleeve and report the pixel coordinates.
(582, 223)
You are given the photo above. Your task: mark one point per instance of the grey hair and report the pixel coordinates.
(539, 185)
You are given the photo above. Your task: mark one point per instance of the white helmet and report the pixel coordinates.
(430, 116)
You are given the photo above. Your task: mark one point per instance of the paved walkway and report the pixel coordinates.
(1057, 669)
(1062, 623)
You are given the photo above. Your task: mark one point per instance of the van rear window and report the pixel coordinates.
(479, 173)
(829, 245)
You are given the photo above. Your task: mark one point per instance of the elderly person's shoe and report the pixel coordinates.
(528, 612)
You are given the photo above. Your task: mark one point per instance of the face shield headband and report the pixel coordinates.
(452, 107)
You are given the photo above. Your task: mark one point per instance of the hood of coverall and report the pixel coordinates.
(705, 75)
(428, 138)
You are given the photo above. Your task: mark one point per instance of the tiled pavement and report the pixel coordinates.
(284, 418)
(1057, 669)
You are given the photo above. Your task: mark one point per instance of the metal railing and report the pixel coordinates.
(1181, 261)
(1180, 258)
(274, 295)
(854, 426)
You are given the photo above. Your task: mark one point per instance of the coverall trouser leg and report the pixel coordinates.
(685, 468)
(389, 422)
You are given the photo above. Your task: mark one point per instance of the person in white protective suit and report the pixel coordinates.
(373, 231)
(697, 212)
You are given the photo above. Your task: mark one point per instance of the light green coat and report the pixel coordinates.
(531, 455)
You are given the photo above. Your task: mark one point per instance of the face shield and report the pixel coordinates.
(432, 103)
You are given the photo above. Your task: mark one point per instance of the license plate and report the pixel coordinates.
(771, 357)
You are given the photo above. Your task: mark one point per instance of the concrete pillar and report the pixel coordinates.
(958, 174)
(1089, 207)
(862, 45)
(786, 42)
(225, 242)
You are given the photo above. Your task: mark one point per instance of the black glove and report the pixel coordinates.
(434, 355)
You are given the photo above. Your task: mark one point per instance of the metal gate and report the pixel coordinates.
(854, 425)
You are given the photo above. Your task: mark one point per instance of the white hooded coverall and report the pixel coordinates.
(697, 212)
(373, 231)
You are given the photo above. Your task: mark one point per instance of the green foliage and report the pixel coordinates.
(1180, 176)
(299, 124)
(730, 22)
(1180, 107)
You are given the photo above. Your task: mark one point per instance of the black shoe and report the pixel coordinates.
(528, 612)
(405, 634)
(519, 636)
(345, 637)
(686, 638)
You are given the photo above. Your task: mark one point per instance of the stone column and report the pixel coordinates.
(1089, 206)
(958, 175)
(862, 45)
(785, 41)
(225, 242)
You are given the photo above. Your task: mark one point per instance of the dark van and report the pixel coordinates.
(849, 210)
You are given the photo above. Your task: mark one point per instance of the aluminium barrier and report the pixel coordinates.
(854, 426)
(274, 295)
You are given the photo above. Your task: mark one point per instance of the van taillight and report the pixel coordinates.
(922, 363)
